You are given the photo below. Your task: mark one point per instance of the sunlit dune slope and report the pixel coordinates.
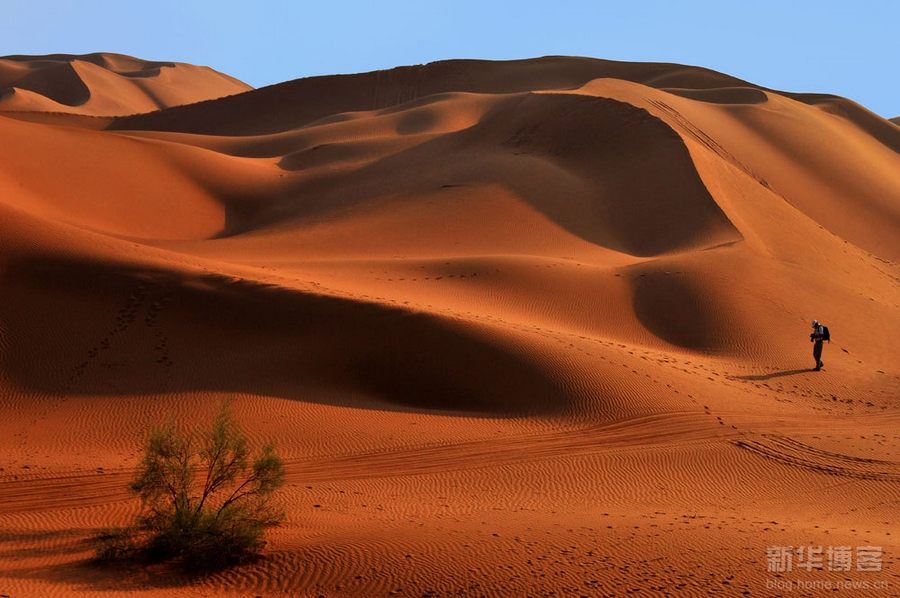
(498, 316)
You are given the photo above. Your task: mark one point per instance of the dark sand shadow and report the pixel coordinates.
(179, 332)
(774, 374)
(82, 573)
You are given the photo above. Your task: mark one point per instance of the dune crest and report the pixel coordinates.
(104, 84)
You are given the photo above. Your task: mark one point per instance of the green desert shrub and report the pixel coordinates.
(205, 502)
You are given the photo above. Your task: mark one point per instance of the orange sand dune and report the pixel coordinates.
(518, 328)
(105, 84)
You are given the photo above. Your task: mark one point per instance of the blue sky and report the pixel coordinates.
(847, 48)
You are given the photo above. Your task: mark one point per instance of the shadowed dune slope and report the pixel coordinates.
(105, 84)
(290, 340)
(829, 166)
(579, 161)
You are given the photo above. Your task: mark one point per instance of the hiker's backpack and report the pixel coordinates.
(826, 336)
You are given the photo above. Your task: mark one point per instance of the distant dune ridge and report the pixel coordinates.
(105, 84)
(493, 313)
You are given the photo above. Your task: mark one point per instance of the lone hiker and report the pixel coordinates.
(819, 334)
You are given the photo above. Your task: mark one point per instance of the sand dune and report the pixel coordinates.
(517, 327)
(105, 84)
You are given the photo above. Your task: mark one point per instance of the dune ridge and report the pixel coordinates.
(517, 327)
(290, 103)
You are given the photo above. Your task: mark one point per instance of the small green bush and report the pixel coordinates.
(205, 502)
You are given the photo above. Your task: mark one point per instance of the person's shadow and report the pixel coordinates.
(775, 374)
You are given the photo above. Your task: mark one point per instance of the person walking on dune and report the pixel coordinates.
(819, 335)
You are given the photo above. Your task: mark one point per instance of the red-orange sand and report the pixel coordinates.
(523, 328)
(105, 84)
